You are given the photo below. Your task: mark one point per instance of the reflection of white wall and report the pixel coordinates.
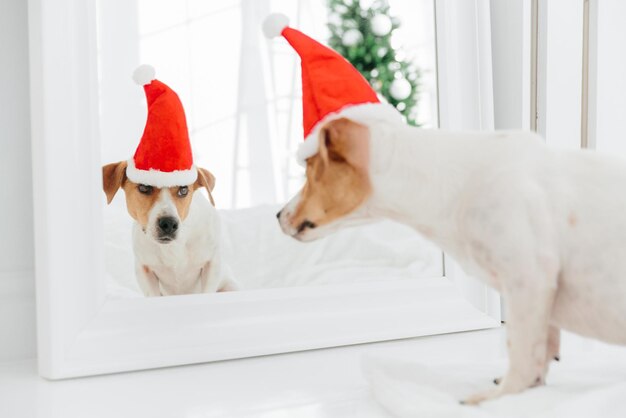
(510, 44)
(122, 106)
(464, 65)
(228, 76)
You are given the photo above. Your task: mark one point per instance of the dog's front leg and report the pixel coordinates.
(529, 305)
(554, 345)
(553, 351)
(148, 281)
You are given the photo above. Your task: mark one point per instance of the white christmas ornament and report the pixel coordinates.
(351, 37)
(350, 24)
(366, 4)
(334, 19)
(381, 25)
(400, 89)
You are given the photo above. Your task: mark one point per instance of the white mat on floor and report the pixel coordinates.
(412, 390)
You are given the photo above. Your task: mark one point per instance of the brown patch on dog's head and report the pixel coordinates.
(140, 199)
(337, 179)
(205, 179)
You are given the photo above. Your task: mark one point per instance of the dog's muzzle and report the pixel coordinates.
(306, 224)
(294, 232)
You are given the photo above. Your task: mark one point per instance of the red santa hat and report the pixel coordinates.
(331, 87)
(163, 157)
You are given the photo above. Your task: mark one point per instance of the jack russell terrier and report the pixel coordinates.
(175, 234)
(177, 231)
(546, 228)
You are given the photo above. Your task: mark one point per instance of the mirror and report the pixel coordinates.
(242, 97)
(359, 285)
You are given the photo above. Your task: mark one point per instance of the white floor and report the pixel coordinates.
(320, 383)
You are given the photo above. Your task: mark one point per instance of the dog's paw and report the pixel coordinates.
(505, 387)
(539, 382)
(479, 397)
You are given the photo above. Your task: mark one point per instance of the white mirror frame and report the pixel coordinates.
(81, 332)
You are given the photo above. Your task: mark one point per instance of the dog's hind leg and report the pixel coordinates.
(228, 283)
(215, 277)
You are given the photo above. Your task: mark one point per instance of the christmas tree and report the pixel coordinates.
(361, 31)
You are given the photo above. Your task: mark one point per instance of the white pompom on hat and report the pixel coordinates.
(274, 24)
(144, 74)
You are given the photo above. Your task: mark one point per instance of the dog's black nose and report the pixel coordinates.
(167, 225)
(278, 214)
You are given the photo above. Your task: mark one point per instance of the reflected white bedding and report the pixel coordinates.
(261, 256)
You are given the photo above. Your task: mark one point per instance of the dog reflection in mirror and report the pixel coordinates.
(175, 235)
(545, 227)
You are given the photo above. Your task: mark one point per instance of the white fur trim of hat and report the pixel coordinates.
(161, 179)
(364, 113)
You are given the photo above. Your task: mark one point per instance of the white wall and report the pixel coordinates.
(610, 78)
(559, 58)
(560, 72)
(17, 306)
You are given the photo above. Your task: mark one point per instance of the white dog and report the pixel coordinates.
(547, 228)
(175, 236)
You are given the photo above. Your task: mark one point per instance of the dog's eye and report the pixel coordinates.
(144, 189)
(182, 191)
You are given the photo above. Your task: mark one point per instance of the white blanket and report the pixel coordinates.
(261, 256)
(413, 390)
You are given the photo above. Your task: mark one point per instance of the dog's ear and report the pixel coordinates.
(343, 140)
(207, 180)
(113, 177)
